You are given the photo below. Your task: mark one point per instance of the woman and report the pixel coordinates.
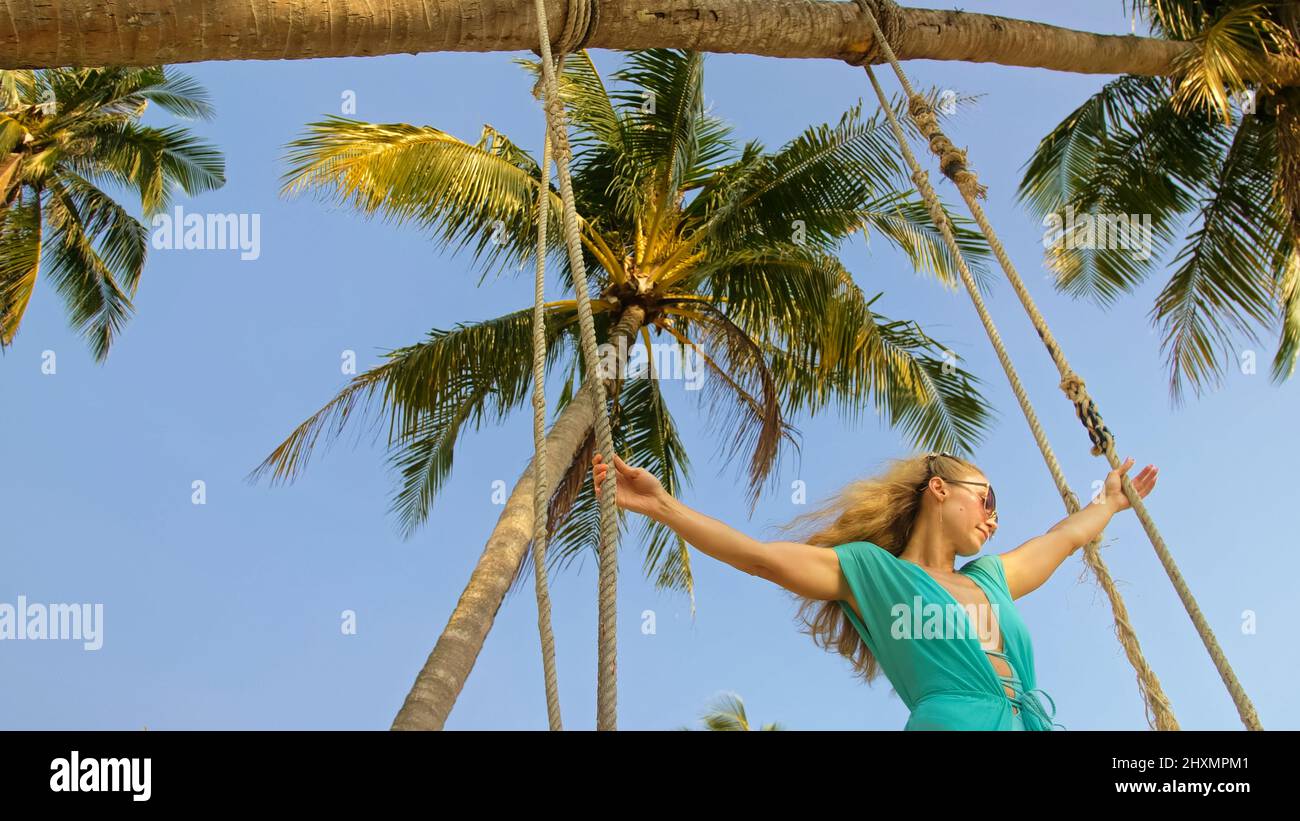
(876, 571)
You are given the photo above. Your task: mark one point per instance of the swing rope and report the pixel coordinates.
(581, 17)
(953, 164)
(540, 490)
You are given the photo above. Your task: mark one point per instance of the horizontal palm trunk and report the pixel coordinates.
(448, 666)
(147, 32)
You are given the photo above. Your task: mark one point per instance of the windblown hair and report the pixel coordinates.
(880, 510)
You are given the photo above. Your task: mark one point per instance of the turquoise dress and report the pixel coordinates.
(948, 683)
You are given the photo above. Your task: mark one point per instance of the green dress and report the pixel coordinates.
(947, 683)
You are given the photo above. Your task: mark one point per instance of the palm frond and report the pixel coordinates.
(481, 195)
(1286, 106)
(727, 714)
(906, 223)
(1222, 281)
(20, 258)
(1172, 19)
(1123, 158)
(670, 131)
(16, 87)
(470, 370)
(1228, 51)
(608, 181)
(79, 221)
(123, 241)
(150, 160)
(860, 361)
(773, 285)
(179, 94)
(740, 398)
(424, 455)
(815, 185)
(1289, 301)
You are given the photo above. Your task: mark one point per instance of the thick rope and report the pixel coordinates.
(607, 681)
(1103, 442)
(541, 492)
(890, 20)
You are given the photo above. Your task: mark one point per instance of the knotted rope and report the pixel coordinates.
(581, 17)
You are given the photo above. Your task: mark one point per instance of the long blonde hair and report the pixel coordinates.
(880, 510)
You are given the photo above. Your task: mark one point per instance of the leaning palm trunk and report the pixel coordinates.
(8, 173)
(150, 32)
(448, 666)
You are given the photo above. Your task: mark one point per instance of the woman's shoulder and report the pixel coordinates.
(989, 565)
(869, 551)
(869, 557)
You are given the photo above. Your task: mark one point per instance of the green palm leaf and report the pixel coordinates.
(481, 195)
(66, 135)
(906, 223)
(817, 185)
(20, 257)
(96, 301)
(428, 390)
(1222, 282)
(1170, 152)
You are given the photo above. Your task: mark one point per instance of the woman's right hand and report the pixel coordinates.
(638, 490)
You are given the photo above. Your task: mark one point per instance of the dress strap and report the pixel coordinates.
(1025, 699)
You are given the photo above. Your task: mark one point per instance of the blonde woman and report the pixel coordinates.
(875, 572)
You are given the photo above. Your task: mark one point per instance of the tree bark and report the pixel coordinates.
(448, 666)
(8, 172)
(39, 34)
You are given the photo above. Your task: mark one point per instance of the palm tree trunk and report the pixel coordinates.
(448, 666)
(150, 32)
(8, 172)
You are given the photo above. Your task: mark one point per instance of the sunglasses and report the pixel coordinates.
(990, 500)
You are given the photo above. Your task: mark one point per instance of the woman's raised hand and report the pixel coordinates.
(638, 489)
(1143, 484)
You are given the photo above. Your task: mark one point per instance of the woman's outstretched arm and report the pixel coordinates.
(803, 569)
(1030, 565)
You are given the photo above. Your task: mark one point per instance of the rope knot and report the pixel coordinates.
(1073, 386)
(1086, 410)
(554, 107)
(952, 160)
(889, 19)
(580, 20)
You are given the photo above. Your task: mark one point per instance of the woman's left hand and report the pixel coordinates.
(1142, 483)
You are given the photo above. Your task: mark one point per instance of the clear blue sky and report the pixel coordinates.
(227, 615)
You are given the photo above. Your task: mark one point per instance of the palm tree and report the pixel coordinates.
(64, 133)
(235, 30)
(1179, 150)
(728, 255)
(728, 714)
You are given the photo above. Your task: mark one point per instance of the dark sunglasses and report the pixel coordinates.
(990, 501)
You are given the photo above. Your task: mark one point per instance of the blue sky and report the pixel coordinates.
(227, 614)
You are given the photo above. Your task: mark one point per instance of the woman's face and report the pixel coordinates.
(965, 519)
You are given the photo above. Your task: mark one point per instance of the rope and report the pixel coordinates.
(607, 689)
(541, 493)
(952, 160)
(580, 20)
(890, 19)
(1071, 383)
